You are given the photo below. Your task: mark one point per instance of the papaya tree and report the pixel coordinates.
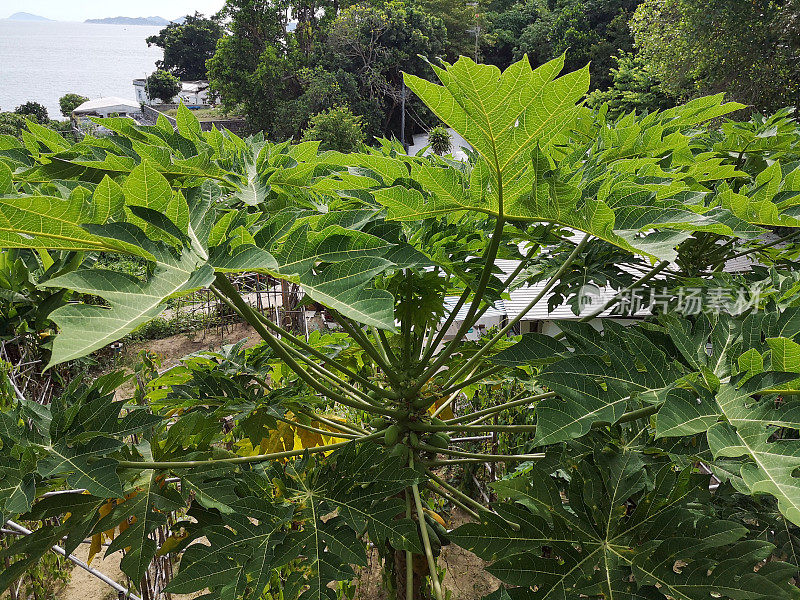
(291, 455)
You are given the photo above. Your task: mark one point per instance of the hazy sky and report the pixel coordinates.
(79, 10)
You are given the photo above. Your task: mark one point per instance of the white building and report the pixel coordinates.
(192, 94)
(110, 106)
(107, 107)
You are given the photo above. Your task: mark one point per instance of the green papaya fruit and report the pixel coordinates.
(436, 544)
(392, 435)
(379, 423)
(439, 440)
(441, 532)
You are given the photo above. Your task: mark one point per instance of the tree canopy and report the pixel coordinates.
(69, 102)
(35, 110)
(187, 46)
(746, 49)
(162, 85)
(336, 129)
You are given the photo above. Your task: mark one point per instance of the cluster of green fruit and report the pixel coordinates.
(404, 437)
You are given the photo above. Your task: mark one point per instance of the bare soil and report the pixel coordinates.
(465, 574)
(172, 349)
(85, 586)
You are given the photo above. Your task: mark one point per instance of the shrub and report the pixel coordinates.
(337, 129)
(162, 85)
(439, 140)
(70, 102)
(33, 109)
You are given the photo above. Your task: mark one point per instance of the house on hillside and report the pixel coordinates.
(110, 106)
(541, 319)
(193, 93)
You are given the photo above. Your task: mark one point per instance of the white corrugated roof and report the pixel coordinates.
(498, 310)
(110, 103)
(520, 298)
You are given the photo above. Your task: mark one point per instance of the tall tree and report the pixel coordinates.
(378, 44)
(162, 85)
(747, 49)
(249, 67)
(187, 46)
(592, 32)
(459, 18)
(33, 109)
(504, 24)
(634, 87)
(589, 31)
(69, 102)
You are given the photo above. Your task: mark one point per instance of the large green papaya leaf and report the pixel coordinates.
(619, 535)
(361, 483)
(742, 422)
(332, 504)
(355, 259)
(597, 381)
(503, 115)
(84, 328)
(515, 119)
(55, 223)
(743, 367)
(240, 556)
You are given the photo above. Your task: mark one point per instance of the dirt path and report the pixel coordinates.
(170, 350)
(85, 586)
(175, 347)
(465, 574)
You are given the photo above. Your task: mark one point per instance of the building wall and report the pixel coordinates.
(139, 90)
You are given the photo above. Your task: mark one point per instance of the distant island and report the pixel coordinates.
(153, 21)
(23, 16)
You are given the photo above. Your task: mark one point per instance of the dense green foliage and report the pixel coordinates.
(335, 440)
(162, 85)
(356, 60)
(69, 102)
(746, 49)
(633, 88)
(12, 124)
(642, 54)
(592, 30)
(187, 46)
